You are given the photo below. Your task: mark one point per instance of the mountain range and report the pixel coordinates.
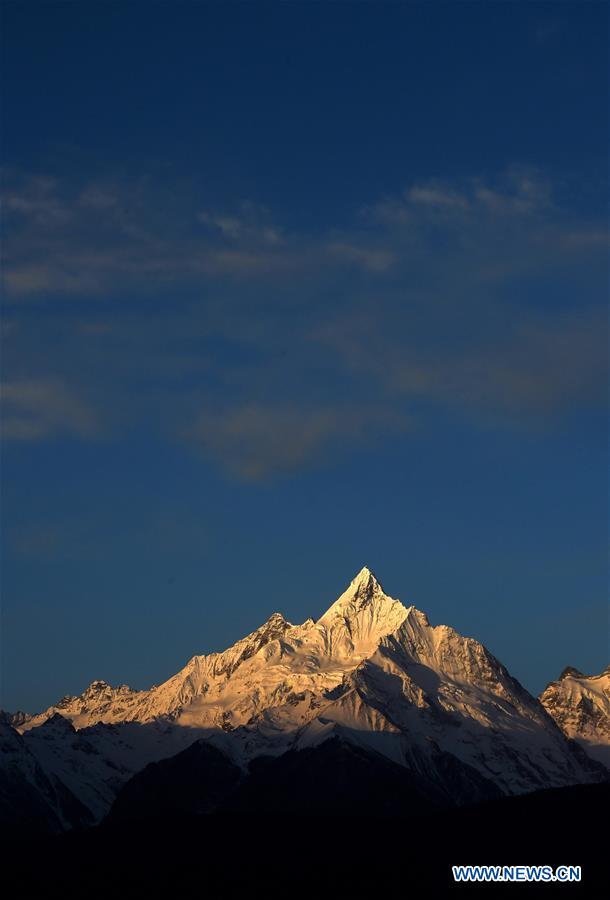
(369, 705)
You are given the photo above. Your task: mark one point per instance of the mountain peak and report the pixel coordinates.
(360, 591)
(571, 671)
(276, 618)
(365, 584)
(365, 574)
(365, 596)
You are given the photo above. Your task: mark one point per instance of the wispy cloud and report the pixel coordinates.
(35, 199)
(250, 223)
(34, 409)
(68, 537)
(476, 295)
(519, 191)
(532, 374)
(257, 441)
(371, 258)
(108, 238)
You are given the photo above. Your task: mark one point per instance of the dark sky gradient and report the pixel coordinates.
(291, 288)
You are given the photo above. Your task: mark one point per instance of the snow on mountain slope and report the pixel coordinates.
(370, 670)
(94, 762)
(580, 704)
(76, 761)
(431, 691)
(263, 670)
(100, 702)
(29, 795)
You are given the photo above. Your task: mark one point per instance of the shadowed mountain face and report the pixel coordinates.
(371, 685)
(196, 781)
(33, 800)
(336, 778)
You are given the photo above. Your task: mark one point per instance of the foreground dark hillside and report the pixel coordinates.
(291, 852)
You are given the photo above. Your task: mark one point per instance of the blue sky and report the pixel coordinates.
(291, 288)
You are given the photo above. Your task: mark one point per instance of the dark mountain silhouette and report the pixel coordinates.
(360, 853)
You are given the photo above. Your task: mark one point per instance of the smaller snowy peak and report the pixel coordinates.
(66, 701)
(570, 671)
(100, 689)
(98, 686)
(89, 707)
(14, 719)
(580, 705)
(416, 615)
(228, 661)
(275, 626)
(276, 620)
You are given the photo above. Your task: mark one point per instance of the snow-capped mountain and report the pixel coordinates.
(277, 661)
(31, 797)
(370, 671)
(580, 704)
